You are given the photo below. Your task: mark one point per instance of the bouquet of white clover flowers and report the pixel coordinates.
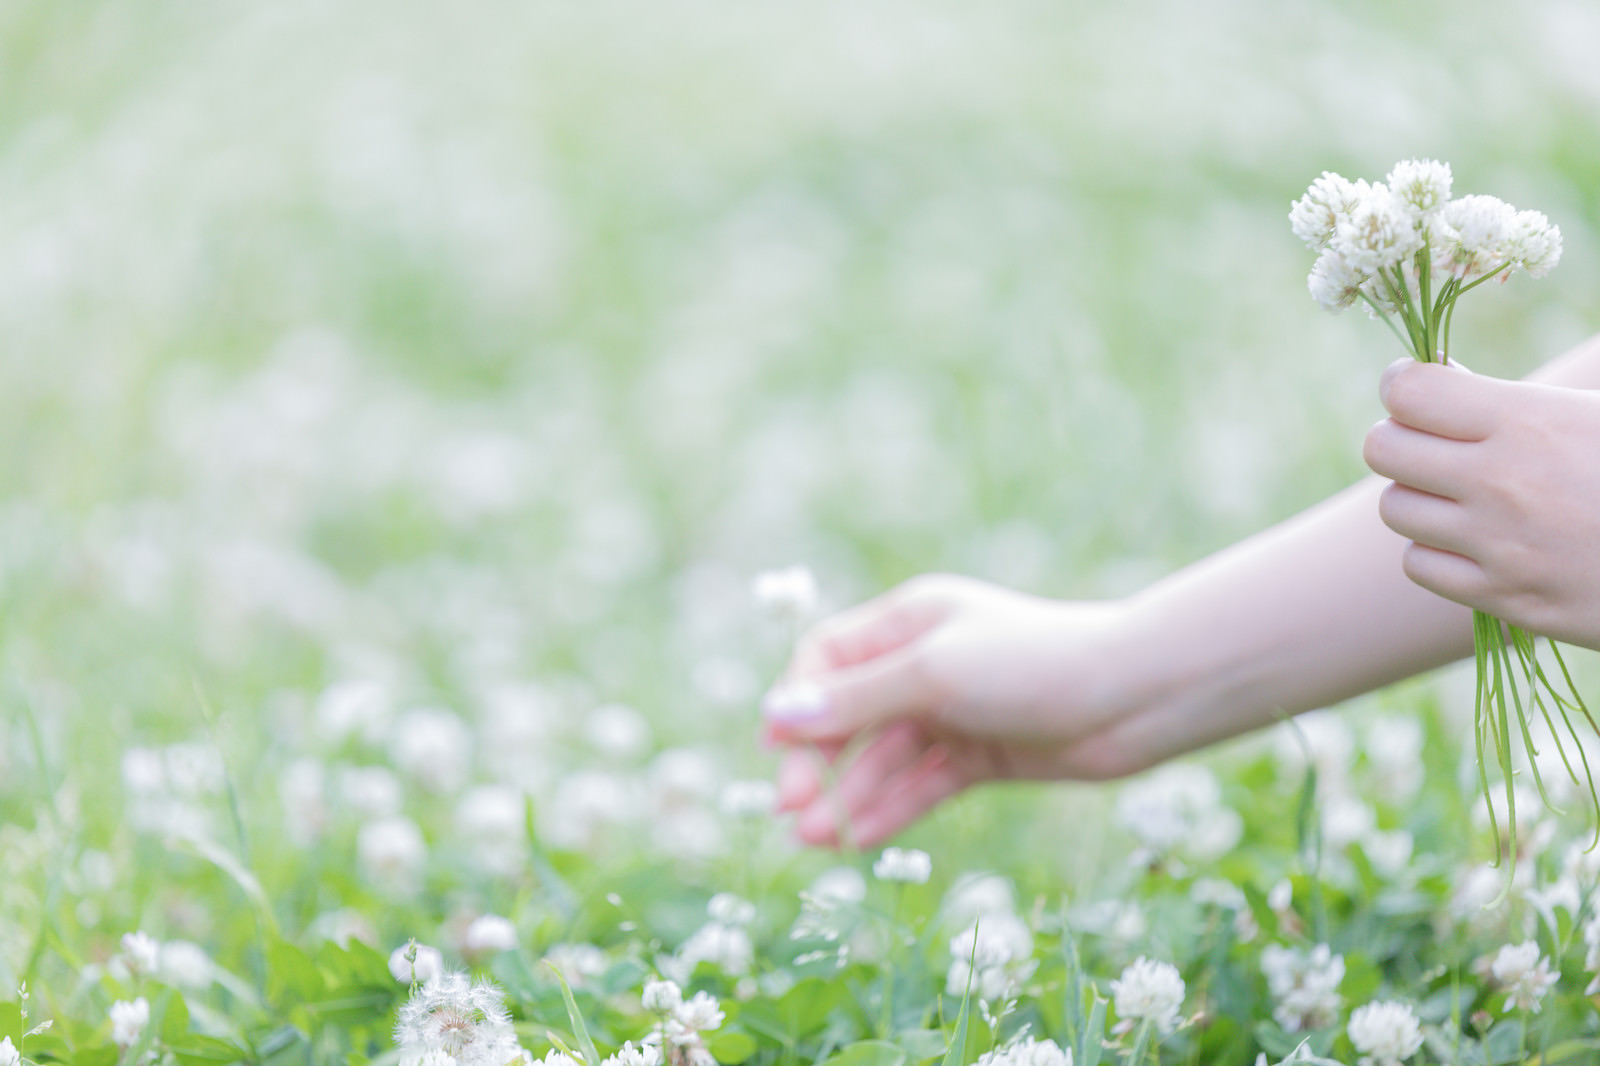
(1408, 251)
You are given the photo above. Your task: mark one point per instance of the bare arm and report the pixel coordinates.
(946, 682)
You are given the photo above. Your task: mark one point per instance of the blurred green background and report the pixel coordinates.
(451, 347)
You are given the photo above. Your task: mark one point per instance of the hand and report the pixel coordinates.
(947, 682)
(1497, 485)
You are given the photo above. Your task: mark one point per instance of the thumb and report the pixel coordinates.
(840, 703)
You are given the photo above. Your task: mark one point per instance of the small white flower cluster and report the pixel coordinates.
(450, 1021)
(1027, 1052)
(907, 865)
(1179, 809)
(722, 941)
(1385, 1033)
(789, 593)
(9, 1055)
(992, 957)
(415, 964)
(1366, 231)
(1150, 991)
(1304, 986)
(128, 1021)
(1524, 974)
(683, 1024)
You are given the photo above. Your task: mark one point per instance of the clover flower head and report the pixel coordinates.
(556, 1057)
(1524, 973)
(1334, 283)
(1379, 231)
(790, 592)
(128, 1020)
(1385, 1033)
(1473, 235)
(993, 956)
(631, 1054)
(903, 864)
(452, 1016)
(414, 963)
(661, 997)
(1149, 990)
(1304, 985)
(1533, 243)
(489, 933)
(699, 1014)
(9, 1055)
(1316, 215)
(141, 952)
(1423, 185)
(1027, 1052)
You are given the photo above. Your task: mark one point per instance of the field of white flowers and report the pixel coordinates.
(397, 402)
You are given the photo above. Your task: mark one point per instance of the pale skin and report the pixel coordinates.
(1486, 495)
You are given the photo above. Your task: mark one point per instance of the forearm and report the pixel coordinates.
(1306, 614)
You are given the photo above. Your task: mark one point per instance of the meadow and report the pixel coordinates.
(398, 401)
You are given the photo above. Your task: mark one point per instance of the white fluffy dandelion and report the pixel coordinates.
(452, 1016)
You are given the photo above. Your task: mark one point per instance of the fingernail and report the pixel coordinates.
(794, 703)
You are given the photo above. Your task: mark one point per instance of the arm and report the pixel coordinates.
(944, 682)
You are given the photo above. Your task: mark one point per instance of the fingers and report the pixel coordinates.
(1428, 519)
(836, 705)
(1437, 465)
(895, 782)
(890, 752)
(881, 625)
(1455, 577)
(801, 773)
(1443, 400)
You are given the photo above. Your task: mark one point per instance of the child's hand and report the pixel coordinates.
(1497, 484)
(956, 682)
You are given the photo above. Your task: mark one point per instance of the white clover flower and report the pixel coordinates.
(1334, 282)
(9, 1055)
(186, 964)
(729, 909)
(141, 953)
(631, 1054)
(993, 957)
(790, 592)
(618, 732)
(839, 885)
(1316, 215)
(1218, 892)
(726, 947)
(748, 799)
(1533, 243)
(1305, 986)
(1151, 991)
(577, 963)
(1385, 1033)
(1027, 1052)
(557, 1057)
(434, 746)
(1472, 235)
(489, 933)
(391, 852)
(700, 1014)
(1179, 808)
(1378, 233)
(419, 968)
(371, 791)
(452, 1016)
(661, 997)
(907, 865)
(975, 896)
(1421, 184)
(128, 1021)
(1280, 897)
(1525, 975)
